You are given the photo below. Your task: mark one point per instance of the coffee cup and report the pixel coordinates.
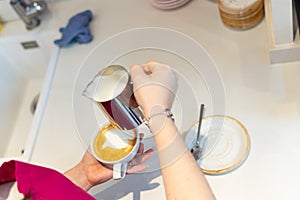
(115, 148)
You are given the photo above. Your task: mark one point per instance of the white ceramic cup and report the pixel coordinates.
(119, 166)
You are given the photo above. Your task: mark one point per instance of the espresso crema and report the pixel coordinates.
(112, 144)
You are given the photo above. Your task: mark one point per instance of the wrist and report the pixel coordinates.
(158, 118)
(165, 113)
(77, 176)
(154, 109)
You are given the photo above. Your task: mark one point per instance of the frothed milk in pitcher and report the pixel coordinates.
(106, 87)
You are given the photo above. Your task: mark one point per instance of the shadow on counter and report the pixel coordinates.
(134, 183)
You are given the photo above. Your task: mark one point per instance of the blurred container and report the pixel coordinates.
(241, 14)
(297, 15)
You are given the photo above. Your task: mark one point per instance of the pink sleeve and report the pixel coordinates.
(38, 182)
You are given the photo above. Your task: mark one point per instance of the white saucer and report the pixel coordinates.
(225, 143)
(168, 5)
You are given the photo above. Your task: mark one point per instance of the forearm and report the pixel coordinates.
(155, 86)
(183, 179)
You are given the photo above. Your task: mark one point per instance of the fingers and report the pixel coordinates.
(150, 71)
(141, 137)
(137, 168)
(138, 76)
(142, 157)
(137, 164)
(153, 63)
(147, 155)
(141, 148)
(149, 68)
(153, 66)
(137, 73)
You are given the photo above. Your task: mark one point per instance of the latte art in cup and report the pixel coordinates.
(112, 144)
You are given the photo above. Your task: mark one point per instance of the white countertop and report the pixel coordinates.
(264, 97)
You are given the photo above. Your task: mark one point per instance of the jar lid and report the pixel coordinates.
(240, 7)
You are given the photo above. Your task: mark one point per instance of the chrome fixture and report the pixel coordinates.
(29, 10)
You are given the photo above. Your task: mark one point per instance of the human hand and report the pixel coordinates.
(90, 172)
(155, 85)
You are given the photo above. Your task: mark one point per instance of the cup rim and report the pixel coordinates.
(124, 159)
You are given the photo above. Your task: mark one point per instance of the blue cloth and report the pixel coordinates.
(77, 30)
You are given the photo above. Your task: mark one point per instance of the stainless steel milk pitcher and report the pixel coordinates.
(111, 89)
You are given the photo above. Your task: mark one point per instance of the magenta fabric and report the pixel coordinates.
(40, 183)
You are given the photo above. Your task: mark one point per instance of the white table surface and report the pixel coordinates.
(264, 97)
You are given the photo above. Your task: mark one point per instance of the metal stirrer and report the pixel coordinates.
(197, 150)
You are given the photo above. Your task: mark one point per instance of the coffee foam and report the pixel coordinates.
(116, 139)
(106, 87)
(112, 144)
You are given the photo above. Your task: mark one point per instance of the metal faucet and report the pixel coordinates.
(29, 10)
